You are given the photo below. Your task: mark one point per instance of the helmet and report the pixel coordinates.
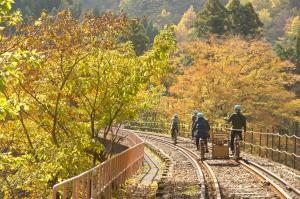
(200, 114)
(237, 107)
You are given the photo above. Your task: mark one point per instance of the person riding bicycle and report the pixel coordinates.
(201, 130)
(238, 121)
(194, 117)
(175, 123)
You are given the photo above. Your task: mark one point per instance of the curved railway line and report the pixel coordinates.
(206, 192)
(230, 178)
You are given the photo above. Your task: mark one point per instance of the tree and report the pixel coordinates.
(243, 19)
(235, 71)
(150, 29)
(34, 8)
(85, 83)
(292, 27)
(6, 16)
(184, 29)
(10, 55)
(161, 12)
(136, 33)
(297, 53)
(288, 46)
(212, 19)
(275, 14)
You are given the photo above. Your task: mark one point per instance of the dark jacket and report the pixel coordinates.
(175, 123)
(201, 128)
(238, 121)
(194, 120)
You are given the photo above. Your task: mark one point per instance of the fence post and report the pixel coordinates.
(286, 149)
(295, 151)
(273, 145)
(259, 152)
(93, 184)
(244, 141)
(267, 151)
(279, 147)
(251, 141)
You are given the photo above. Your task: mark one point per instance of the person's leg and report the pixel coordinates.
(240, 135)
(197, 142)
(176, 133)
(232, 140)
(206, 146)
(172, 133)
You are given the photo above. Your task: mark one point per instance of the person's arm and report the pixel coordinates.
(194, 125)
(229, 119)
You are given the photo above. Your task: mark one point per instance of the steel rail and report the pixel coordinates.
(258, 171)
(195, 163)
(194, 157)
(255, 171)
(210, 172)
(281, 181)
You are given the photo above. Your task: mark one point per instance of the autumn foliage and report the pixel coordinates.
(78, 81)
(235, 71)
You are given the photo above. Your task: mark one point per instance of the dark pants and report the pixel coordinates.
(198, 141)
(233, 134)
(174, 132)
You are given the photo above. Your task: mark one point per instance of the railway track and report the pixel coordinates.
(234, 179)
(211, 191)
(279, 185)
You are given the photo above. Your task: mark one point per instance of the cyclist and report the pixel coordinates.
(175, 123)
(201, 130)
(238, 121)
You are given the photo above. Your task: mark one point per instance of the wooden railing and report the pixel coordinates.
(102, 180)
(284, 149)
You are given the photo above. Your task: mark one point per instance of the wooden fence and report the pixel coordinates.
(102, 180)
(284, 149)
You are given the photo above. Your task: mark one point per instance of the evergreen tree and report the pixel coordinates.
(290, 50)
(151, 30)
(212, 19)
(34, 8)
(252, 24)
(243, 20)
(297, 53)
(235, 12)
(136, 33)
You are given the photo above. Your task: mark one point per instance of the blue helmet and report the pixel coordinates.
(237, 107)
(200, 114)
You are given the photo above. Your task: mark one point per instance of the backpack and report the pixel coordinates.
(201, 124)
(238, 121)
(175, 123)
